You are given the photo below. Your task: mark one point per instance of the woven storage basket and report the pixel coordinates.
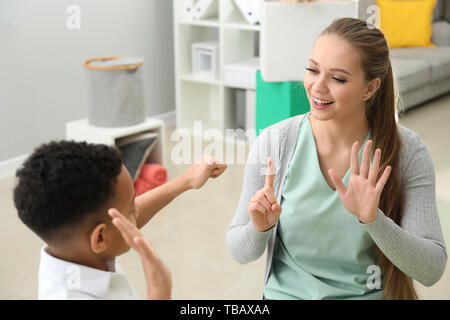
(115, 91)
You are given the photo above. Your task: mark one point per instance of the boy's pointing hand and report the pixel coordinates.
(205, 168)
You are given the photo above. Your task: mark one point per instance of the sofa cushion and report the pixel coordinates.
(398, 26)
(438, 58)
(410, 73)
(441, 33)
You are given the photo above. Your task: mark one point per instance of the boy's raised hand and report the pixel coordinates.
(263, 208)
(205, 168)
(157, 275)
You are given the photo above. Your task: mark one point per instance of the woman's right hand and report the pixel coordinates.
(263, 208)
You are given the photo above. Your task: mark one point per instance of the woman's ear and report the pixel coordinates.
(372, 87)
(97, 239)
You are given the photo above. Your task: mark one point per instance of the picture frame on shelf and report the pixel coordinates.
(205, 59)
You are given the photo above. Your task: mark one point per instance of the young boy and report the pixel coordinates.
(79, 198)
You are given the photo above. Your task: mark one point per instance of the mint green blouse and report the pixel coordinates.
(322, 251)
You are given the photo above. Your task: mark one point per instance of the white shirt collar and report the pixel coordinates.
(60, 279)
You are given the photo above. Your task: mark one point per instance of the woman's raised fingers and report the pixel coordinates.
(382, 182)
(365, 163)
(373, 174)
(266, 203)
(340, 187)
(270, 195)
(354, 161)
(255, 206)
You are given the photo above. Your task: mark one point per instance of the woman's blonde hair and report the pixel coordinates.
(381, 115)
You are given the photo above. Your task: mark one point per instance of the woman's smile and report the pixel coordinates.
(321, 104)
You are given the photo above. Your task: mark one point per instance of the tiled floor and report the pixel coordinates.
(189, 233)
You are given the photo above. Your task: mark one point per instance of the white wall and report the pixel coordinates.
(42, 83)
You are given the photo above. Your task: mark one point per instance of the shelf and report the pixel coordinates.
(200, 79)
(236, 86)
(242, 26)
(212, 23)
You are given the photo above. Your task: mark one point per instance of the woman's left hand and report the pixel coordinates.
(362, 195)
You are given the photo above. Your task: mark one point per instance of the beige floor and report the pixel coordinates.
(189, 233)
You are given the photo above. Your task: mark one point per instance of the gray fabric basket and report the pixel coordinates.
(115, 91)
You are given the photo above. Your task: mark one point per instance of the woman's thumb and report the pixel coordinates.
(276, 208)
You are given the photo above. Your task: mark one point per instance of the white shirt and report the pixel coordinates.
(61, 280)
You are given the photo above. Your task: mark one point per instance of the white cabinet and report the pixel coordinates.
(286, 42)
(81, 130)
(210, 99)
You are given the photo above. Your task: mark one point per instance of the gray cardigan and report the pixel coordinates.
(416, 247)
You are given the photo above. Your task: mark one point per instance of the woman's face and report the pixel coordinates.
(334, 81)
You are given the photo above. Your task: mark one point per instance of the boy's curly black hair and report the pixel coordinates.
(63, 182)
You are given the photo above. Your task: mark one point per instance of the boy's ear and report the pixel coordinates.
(97, 239)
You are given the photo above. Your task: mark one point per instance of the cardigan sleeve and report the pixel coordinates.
(244, 242)
(416, 247)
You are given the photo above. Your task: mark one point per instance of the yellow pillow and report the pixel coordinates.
(407, 23)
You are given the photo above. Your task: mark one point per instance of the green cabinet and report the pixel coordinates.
(276, 101)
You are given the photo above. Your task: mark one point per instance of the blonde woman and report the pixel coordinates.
(346, 207)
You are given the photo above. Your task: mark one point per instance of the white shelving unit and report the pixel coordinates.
(206, 99)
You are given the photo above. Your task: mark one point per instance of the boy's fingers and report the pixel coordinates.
(125, 224)
(126, 228)
(128, 237)
(220, 166)
(145, 249)
(270, 175)
(114, 212)
(217, 171)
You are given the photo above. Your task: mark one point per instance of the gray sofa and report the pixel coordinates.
(423, 73)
